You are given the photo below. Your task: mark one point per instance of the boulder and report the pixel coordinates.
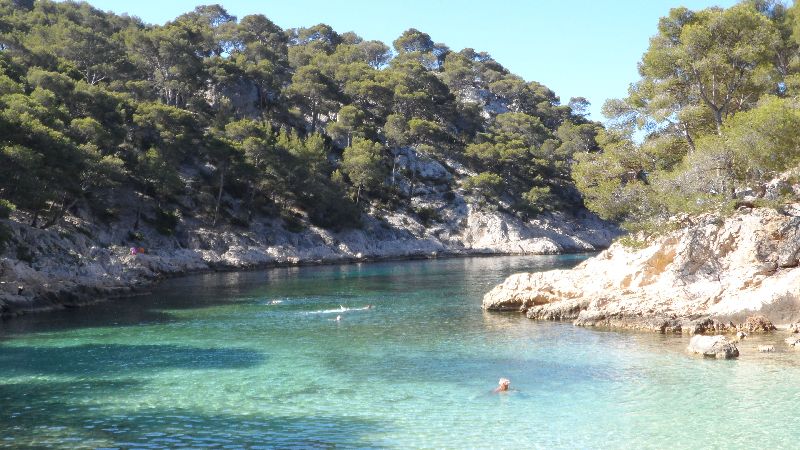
(713, 347)
(708, 325)
(757, 324)
(741, 335)
(794, 328)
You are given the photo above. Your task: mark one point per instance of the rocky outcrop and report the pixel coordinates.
(713, 347)
(757, 324)
(703, 278)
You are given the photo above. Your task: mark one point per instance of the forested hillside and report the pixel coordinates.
(717, 103)
(224, 119)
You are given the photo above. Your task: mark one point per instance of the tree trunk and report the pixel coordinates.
(59, 214)
(260, 95)
(358, 194)
(139, 211)
(219, 195)
(731, 180)
(413, 182)
(313, 116)
(394, 168)
(689, 139)
(251, 202)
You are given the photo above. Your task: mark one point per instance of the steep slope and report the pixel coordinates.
(82, 260)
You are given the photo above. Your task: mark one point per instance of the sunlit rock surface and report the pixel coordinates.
(701, 278)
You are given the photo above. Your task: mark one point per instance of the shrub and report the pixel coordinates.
(292, 222)
(537, 199)
(165, 222)
(24, 254)
(486, 184)
(5, 236)
(6, 208)
(427, 215)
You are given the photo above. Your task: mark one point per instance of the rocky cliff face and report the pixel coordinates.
(82, 261)
(712, 272)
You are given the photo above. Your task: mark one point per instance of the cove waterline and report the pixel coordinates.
(257, 360)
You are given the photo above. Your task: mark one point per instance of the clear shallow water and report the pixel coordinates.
(257, 359)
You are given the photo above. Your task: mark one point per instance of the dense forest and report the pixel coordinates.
(714, 118)
(305, 121)
(247, 119)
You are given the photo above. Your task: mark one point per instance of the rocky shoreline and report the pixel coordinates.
(706, 277)
(80, 262)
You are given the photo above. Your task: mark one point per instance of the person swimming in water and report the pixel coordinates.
(502, 385)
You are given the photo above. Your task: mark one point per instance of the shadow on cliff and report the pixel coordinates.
(115, 359)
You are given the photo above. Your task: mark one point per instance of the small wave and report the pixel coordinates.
(340, 309)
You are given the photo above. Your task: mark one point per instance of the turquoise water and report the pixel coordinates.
(257, 360)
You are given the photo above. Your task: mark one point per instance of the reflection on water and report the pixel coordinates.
(250, 359)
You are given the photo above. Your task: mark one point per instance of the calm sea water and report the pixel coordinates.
(257, 360)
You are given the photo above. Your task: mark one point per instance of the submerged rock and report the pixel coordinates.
(793, 341)
(713, 347)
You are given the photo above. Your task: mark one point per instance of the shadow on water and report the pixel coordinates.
(113, 313)
(41, 415)
(146, 308)
(18, 395)
(166, 429)
(99, 360)
(216, 289)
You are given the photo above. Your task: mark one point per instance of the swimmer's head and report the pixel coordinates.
(504, 382)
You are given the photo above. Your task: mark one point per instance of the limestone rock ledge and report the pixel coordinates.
(82, 261)
(701, 278)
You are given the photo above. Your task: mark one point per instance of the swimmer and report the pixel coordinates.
(502, 385)
(368, 307)
(338, 318)
(276, 302)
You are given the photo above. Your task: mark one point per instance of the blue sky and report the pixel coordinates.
(577, 48)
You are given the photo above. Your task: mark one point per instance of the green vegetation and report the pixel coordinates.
(245, 119)
(718, 106)
(227, 111)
